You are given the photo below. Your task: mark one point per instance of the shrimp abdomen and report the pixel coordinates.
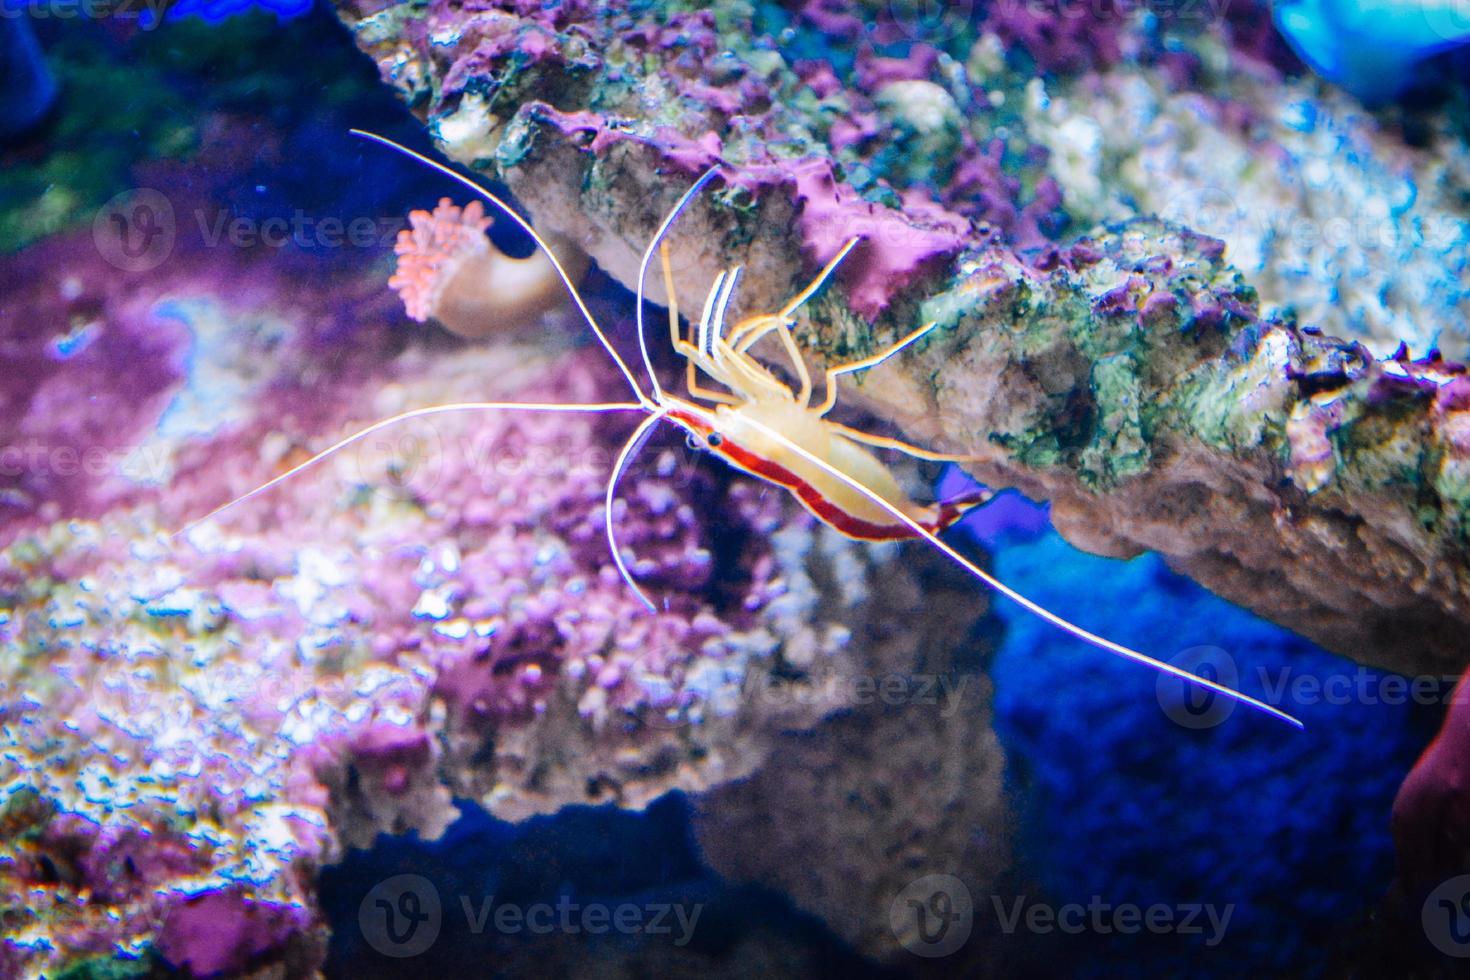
(829, 498)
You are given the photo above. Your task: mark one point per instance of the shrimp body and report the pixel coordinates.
(740, 436)
(763, 426)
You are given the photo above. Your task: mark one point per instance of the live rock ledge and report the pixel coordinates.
(1127, 374)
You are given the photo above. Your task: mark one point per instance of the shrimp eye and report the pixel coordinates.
(714, 440)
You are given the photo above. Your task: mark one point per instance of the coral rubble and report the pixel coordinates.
(906, 782)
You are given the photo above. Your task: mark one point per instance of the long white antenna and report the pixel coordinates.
(635, 442)
(403, 417)
(653, 245)
(1029, 605)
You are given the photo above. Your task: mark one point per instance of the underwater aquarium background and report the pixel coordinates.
(1267, 850)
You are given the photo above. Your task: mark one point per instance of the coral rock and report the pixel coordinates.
(1130, 378)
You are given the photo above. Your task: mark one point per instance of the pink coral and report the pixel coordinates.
(449, 270)
(432, 251)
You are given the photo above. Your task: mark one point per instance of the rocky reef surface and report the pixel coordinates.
(1132, 377)
(195, 724)
(194, 729)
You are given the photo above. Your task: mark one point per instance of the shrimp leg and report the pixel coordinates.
(898, 445)
(689, 352)
(868, 362)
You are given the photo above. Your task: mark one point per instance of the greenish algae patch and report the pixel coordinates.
(1120, 449)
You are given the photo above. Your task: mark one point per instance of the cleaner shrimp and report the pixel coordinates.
(760, 425)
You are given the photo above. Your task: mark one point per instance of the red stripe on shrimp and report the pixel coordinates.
(817, 503)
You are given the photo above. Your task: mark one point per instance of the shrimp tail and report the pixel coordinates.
(947, 512)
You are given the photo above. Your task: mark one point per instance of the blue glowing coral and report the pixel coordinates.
(1132, 800)
(27, 88)
(1372, 48)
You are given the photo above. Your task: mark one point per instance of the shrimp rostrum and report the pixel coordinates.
(739, 409)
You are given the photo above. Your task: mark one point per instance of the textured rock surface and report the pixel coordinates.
(1142, 391)
(191, 727)
(1330, 210)
(250, 700)
(906, 782)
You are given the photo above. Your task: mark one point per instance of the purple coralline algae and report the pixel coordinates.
(895, 249)
(1132, 376)
(192, 725)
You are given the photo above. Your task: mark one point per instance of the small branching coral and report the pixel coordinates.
(449, 270)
